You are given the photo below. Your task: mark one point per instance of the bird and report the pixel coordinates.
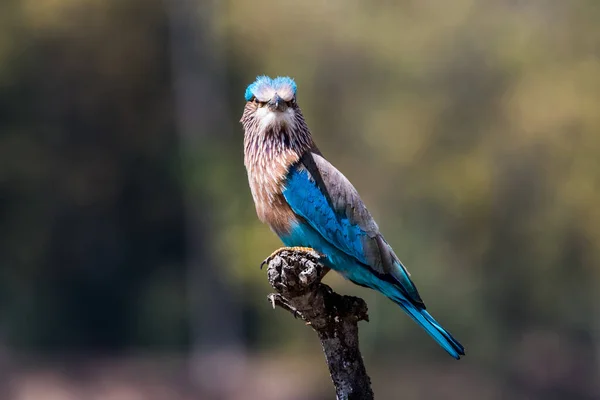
(308, 203)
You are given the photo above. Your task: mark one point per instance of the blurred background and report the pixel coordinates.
(129, 245)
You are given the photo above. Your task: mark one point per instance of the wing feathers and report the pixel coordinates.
(326, 199)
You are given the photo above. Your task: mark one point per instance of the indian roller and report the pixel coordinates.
(307, 202)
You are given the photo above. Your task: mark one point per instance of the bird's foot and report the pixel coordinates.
(267, 260)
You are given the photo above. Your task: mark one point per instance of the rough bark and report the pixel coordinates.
(296, 276)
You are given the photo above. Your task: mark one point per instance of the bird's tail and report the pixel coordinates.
(434, 329)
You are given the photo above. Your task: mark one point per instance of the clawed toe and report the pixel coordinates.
(267, 260)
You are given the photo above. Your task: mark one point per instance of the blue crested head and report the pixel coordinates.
(263, 88)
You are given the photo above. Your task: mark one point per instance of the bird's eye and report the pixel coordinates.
(258, 103)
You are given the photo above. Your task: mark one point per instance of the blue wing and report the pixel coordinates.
(319, 193)
(328, 202)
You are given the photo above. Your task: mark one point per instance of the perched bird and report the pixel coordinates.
(307, 202)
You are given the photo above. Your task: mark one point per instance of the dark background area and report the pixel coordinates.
(129, 246)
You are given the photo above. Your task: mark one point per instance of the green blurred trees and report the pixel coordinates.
(91, 200)
(469, 127)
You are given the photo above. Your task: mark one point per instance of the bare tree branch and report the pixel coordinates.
(296, 276)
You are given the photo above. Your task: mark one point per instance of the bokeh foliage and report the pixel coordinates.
(470, 128)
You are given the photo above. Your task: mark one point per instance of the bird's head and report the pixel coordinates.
(271, 105)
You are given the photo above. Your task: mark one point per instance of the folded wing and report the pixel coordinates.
(325, 198)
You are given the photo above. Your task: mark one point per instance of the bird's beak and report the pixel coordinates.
(277, 104)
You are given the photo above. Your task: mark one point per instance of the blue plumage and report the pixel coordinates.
(309, 203)
(345, 244)
(264, 82)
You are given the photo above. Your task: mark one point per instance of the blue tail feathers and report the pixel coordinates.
(397, 286)
(365, 277)
(434, 329)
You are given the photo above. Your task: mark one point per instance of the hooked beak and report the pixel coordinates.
(277, 104)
